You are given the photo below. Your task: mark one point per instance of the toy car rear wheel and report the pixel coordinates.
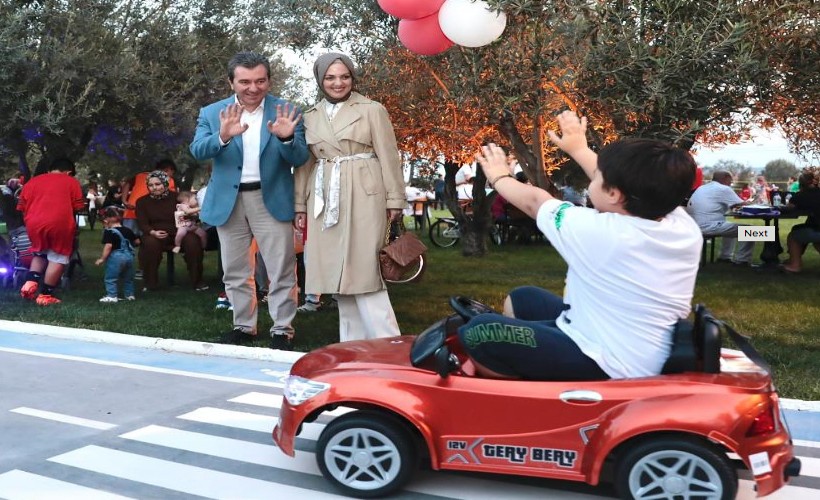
(675, 468)
(366, 455)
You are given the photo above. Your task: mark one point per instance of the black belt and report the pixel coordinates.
(250, 186)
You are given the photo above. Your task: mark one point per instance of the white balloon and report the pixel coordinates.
(470, 23)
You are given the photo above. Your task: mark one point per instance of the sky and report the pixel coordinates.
(764, 147)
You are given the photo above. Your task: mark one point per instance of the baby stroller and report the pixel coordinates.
(16, 259)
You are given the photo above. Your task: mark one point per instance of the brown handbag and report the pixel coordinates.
(398, 255)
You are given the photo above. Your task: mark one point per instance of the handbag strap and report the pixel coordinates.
(400, 229)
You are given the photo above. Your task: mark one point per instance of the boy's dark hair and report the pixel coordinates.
(653, 176)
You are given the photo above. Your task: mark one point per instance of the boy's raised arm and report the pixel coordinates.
(573, 141)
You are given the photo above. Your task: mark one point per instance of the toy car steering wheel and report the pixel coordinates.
(468, 308)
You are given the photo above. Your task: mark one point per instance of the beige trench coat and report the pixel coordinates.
(344, 258)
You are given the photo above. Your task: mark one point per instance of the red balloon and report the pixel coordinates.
(423, 36)
(410, 9)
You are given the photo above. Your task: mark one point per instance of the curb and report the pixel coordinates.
(169, 345)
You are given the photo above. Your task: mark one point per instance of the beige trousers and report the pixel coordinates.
(366, 316)
(249, 221)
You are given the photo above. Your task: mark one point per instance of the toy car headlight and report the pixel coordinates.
(299, 389)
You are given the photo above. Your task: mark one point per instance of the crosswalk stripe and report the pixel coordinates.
(809, 466)
(66, 419)
(746, 492)
(275, 401)
(433, 483)
(246, 421)
(21, 485)
(180, 477)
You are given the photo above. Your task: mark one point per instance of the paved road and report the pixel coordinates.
(87, 421)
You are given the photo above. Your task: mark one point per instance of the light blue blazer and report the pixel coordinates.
(276, 163)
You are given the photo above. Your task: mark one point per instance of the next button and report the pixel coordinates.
(755, 233)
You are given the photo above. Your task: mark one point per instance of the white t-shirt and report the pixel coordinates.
(710, 202)
(629, 281)
(465, 173)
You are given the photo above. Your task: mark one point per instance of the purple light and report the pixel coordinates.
(4, 270)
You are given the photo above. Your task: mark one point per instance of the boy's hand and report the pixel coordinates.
(99, 262)
(493, 161)
(573, 137)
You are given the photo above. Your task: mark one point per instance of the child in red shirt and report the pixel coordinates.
(48, 202)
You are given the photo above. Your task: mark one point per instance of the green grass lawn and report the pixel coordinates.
(780, 312)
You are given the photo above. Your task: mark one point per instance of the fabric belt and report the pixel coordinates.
(334, 188)
(250, 186)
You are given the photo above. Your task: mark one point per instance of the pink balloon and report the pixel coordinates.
(410, 9)
(423, 36)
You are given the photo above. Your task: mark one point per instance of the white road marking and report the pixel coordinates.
(66, 419)
(433, 483)
(21, 485)
(275, 401)
(154, 369)
(246, 421)
(180, 477)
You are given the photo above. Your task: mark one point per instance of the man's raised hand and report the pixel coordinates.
(286, 120)
(230, 124)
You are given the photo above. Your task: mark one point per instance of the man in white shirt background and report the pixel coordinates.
(708, 206)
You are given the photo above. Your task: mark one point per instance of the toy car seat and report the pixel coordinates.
(695, 344)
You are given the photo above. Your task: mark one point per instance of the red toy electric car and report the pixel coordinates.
(665, 436)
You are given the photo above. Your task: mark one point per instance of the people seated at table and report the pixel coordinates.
(155, 217)
(417, 199)
(708, 206)
(801, 235)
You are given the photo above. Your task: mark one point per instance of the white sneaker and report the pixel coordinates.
(309, 306)
(109, 299)
(130, 297)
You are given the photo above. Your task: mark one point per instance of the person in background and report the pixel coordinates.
(48, 202)
(802, 235)
(117, 255)
(762, 191)
(346, 195)
(95, 201)
(255, 141)
(113, 196)
(155, 216)
(708, 206)
(136, 188)
(187, 220)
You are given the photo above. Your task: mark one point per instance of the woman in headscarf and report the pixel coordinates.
(345, 195)
(155, 218)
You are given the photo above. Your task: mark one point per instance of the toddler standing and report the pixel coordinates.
(187, 219)
(118, 255)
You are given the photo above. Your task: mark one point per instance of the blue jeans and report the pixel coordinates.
(119, 264)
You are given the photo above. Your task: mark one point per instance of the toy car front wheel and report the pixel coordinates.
(675, 468)
(366, 455)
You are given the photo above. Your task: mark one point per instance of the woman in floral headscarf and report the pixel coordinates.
(155, 217)
(352, 184)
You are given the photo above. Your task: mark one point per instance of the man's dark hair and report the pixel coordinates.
(165, 163)
(721, 176)
(653, 176)
(248, 60)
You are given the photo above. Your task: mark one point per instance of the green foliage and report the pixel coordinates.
(780, 170)
(137, 70)
(740, 172)
(779, 312)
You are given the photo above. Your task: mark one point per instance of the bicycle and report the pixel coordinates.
(446, 232)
